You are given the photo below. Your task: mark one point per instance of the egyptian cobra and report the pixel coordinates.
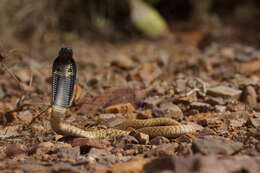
(64, 72)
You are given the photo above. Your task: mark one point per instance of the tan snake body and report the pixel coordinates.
(64, 76)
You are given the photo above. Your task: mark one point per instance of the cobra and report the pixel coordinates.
(64, 73)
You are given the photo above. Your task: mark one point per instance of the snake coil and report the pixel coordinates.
(64, 72)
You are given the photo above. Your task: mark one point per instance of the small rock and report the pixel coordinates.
(203, 164)
(112, 122)
(37, 128)
(224, 91)
(216, 100)
(151, 102)
(157, 113)
(141, 137)
(171, 110)
(120, 108)
(146, 72)
(235, 123)
(69, 153)
(158, 140)
(13, 150)
(209, 145)
(9, 131)
(97, 143)
(44, 147)
(163, 150)
(24, 75)
(123, 62)
(235, 107)
(101, 156)
(220, 108)
(106, 116)
(228, 53)
(202, 107)
(255, 122)
(237, 115)
(133, 166)
(181, 85)
(25, 116)
(122, 141)
(249, 95)
(206, 132)
(2, 93)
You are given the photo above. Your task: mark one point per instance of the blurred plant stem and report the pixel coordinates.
(147, 19)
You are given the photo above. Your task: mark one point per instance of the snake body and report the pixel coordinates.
(63, 80)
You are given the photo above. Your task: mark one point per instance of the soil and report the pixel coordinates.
(192, 77)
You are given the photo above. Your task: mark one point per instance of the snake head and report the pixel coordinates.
(66, 52)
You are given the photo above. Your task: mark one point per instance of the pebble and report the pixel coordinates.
(151, 102)
(122, 141)
(13, 150)
(249, 95)
(202, 107)
(209, 145)
(163, 150)
(44, 147)
(158, 140)
(2, 93)
(224, 91)
(171, 110)
(69, 153)
(255, 122)
(220, 108)
(25, 116)
(101, 156)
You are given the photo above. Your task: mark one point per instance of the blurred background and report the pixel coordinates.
(172, 33)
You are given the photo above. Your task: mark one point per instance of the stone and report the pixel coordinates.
(224, 91)
(101, 156)
(158, 140)
(171, 110)
(203, 164)
(68, 153)
(44, 147)
(87, 142)
(2, 93)
(25, 116)
(210, 145)
(122, 141)
(141, 137)
(202, 107)
(120, 108)
(249, 96)
(13, 150)
(220, 108)
(152, 102)
(163, 150)
(123, 62)
(255, 122)
(133, 166)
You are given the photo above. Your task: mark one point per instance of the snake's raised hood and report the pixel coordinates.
(63, 78)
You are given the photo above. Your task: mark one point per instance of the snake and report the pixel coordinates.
(64, 72)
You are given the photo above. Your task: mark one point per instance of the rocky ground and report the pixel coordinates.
(189, 77)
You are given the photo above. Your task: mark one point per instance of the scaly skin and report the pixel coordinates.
(151, 127)
(64, 77)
